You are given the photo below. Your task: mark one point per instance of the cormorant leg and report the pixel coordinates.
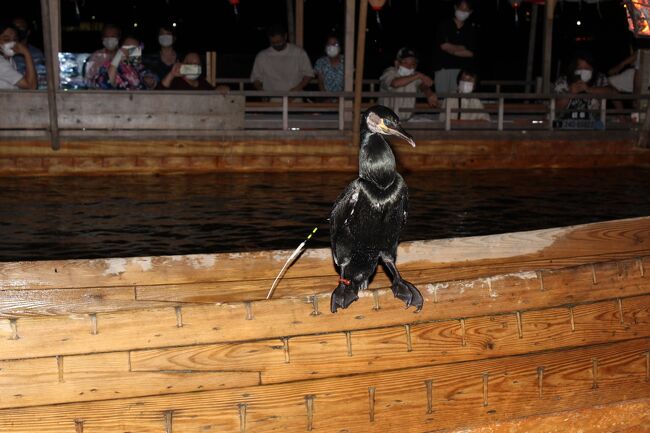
(402, 289)
(344, 294)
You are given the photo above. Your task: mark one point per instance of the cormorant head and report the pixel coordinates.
(379, 119)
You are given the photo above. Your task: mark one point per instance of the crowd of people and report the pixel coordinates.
(283, 66)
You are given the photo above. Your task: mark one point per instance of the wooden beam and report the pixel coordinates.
(548, 44)
(291, 22)
(300, 23)
(51, 13)
(532, 39)
(350, 14)
(358, 80)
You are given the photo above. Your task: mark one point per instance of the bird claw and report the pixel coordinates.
(408, 293)
(342, 297)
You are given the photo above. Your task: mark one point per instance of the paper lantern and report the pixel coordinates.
(234, 4)
(376, 5)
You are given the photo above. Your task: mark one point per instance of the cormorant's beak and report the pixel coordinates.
(399, 131)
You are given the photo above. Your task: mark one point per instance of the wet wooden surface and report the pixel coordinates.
(514, 326)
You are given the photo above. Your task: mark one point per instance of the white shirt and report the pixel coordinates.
(9, 77)
(396, 104)
(281, 70)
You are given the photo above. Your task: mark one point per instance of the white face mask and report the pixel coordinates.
(585, 74)
(465, 87)
(110, 43)
(462, 15)
(8, 48)
(403, 71)
(332, 50)
(165, 40)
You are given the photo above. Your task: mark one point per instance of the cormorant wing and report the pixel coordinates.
(342, 210)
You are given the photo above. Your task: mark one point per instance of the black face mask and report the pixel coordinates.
(279, 47)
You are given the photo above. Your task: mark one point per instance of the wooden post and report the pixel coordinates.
(291, 29)
(300, 22)
(211, 67)
(532, 38)
(350, 12)
(50, 13)
(548, 44)
(358, 78)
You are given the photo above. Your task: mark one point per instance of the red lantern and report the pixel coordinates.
(376, 5)
(234, 4)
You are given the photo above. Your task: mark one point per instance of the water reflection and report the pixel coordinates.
(75, 217)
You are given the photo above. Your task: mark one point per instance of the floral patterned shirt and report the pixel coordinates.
(332, 75)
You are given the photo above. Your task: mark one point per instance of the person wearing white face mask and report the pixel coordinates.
(110, 40)
(10, 78)
(456, 42)
(466, 84)
(161, 62)
(403, 77)
(581, 79)
(329, 69)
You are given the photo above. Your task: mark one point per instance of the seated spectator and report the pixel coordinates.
(10, 78)
(403, 77)
(622, 76)
(126, 71)
(161, 62)
(466, 83)
(582, 79)
(329, 68)
(282, 66)
(183, 78)
(24, 32)
(102, 58)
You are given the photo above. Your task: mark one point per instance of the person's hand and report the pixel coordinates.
(432, 100)
(426, 80)
(222, 89)
(176, 70)
(447, 47)
(578, 87)
(20, 48)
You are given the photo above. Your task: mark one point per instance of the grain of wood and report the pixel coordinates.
(400, 397)
(626, 417)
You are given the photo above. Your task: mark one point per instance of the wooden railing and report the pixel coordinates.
(291, 111)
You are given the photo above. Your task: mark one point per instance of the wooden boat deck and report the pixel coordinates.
(538, 331)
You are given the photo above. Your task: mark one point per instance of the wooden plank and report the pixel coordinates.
(491, 254)
(150, 110)
(365, 351)
(128, 330)
(627, 417)
(36, 382)
(464, 394)
(21, 303)
(33, 114)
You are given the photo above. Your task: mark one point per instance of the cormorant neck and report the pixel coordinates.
(376, 160)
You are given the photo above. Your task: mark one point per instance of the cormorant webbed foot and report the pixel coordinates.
(408, 293)
(342, 297)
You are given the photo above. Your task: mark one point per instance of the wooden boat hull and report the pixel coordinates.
(537, 331)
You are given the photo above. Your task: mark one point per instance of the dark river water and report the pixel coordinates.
(87, 217)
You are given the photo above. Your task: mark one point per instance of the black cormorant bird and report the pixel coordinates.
(368, 217)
